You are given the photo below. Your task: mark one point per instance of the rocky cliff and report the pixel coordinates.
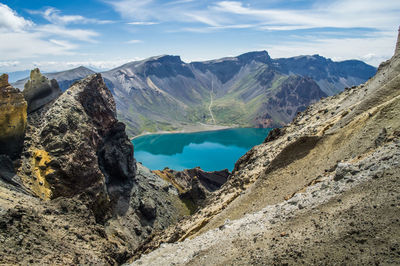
(321, 190)
(74, 195)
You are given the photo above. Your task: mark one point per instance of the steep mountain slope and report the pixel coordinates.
(164, 93)
(332, 77)
(321, 190)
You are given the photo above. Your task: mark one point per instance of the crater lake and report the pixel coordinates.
(211, 150)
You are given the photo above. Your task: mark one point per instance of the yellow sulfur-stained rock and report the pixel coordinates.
(37, 182)
(13, 115)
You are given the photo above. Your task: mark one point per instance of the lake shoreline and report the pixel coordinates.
(195, 129)
(211, 150)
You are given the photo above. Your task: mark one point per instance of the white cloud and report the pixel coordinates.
(339, 13)
(24, 39)
(8, 64)
(134, 41)
(63, 44)
(142, 23)
(178, 2)
(224, 14)
(186, 11)
(10, 21)
(202, 18)
(215, 28)
(54, 16)
(28, 45)
(133, 8)
(77, 34)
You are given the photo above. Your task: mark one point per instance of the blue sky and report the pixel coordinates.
(56, 35)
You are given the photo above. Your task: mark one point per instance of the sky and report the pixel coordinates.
(55, 35)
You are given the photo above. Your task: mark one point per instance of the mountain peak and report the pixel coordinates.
(310, 57)
(81, 68)
(167, 59)
(261, 56)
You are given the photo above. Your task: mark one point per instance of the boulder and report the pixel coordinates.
(274, 134)
(195, 184)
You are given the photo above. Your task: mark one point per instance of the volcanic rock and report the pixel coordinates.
(75, 195)
(195, 184)
(69, 153)
(39, 90)
(13, 118)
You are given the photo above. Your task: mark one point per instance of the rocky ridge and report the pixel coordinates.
(312, 178)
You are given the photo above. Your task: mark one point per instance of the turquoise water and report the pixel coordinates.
(211, 150)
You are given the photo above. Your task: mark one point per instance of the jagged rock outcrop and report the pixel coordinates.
(39, 90)
(274, 134)
(331, 176)
(72, 151)
(195, 185)
(13, 118)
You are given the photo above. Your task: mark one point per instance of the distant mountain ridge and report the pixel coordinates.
(64, 78)
(252, 89)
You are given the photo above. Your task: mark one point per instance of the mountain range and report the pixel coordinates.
(164, 93)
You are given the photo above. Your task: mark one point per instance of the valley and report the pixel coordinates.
(163, 93)
(185, 133)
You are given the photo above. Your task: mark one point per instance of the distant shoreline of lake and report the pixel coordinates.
(191, 129)
(211, 150)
